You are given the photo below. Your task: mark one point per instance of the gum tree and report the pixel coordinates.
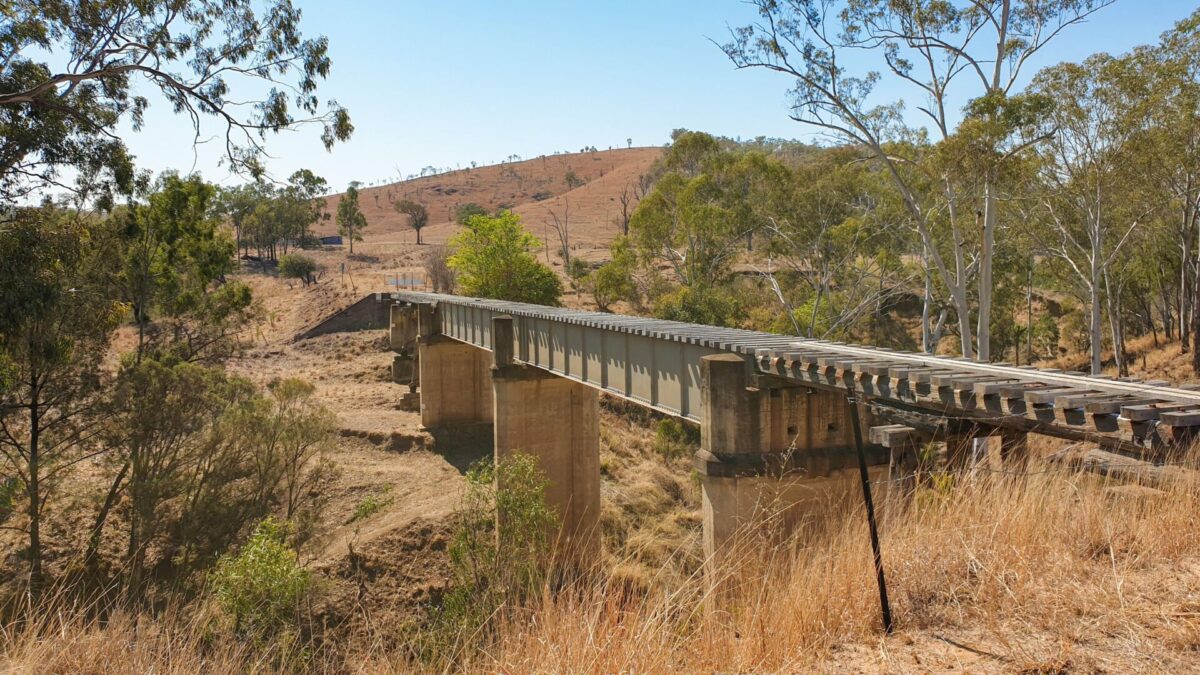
(71, 72)
(944, 52)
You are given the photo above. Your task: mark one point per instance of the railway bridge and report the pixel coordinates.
(774, 411)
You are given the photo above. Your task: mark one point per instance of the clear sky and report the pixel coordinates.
(447, 83)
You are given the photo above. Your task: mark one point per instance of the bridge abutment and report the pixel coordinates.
(772, 454)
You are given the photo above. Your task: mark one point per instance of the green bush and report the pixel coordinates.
(466, 211)
(296, 266)
(613, 282)
(704, 305)
(494, 570)
(371, 504)
(262, 586)
(494, 258)
(675, 439)
(577, 269)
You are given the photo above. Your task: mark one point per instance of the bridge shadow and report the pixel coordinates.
(464, 444)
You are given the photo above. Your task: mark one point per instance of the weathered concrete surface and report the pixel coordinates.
(456, 385)
(770, 455)
(557, 421)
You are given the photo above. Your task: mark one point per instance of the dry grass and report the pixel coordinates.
(1052, 568)
(1045, 572)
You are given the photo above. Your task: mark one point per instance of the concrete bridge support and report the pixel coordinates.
(455, 377)
(771, 453)
(557, 421)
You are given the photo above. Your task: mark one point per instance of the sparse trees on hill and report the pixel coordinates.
(572, 180)
(350, 219)
(418, 216)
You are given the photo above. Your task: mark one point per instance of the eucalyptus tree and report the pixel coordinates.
(350, 219)
(71, 73)
(1095, 123)
(418, 215)
(824, 228)
(1172, 158)
(944, 51)
(56, 320)
(698, 212)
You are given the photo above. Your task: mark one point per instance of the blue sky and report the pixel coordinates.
(444, 84)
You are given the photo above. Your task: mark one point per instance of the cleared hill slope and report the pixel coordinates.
(532, 188)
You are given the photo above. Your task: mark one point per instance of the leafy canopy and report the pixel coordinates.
(194, 54)
(494, 258)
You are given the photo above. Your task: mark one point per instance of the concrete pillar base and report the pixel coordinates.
(754, 507)
(557, 421)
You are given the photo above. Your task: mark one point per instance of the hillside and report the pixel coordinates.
(532, 188)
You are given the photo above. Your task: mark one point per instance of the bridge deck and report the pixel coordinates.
(657, 363)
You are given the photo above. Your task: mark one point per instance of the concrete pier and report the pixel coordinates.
(771, 453)
(557, 421)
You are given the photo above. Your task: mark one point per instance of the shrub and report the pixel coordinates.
(262, 586)
(673, 439)
(572, 180)
(613, 282)
(703, 305)
(466, 211)
(296, 266)
(493, 570)
(371, 504)
(437, 269)
(577, 269)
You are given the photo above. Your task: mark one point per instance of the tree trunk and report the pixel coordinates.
(33, 492)
(1094, 325)
(110, 500)
(1195, 324)
(983, 333)
(926, 307)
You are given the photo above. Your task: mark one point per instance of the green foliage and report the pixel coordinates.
(614, 281)
(418, 216)
(209, 458)
(491, 570)
(262, 586)
(577, 269)
(494, 258)
(55, 324)
(173, 248)
(350, 219)
(572, 180)
(235, 61)
(696, 216)
(269, 218)
(371, 504)
(466, 211)
(296, 266)
(708, 305)
(674, 439)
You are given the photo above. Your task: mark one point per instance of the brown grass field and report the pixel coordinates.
(1044, 572)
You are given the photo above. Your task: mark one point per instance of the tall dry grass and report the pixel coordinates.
(1037, 572)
